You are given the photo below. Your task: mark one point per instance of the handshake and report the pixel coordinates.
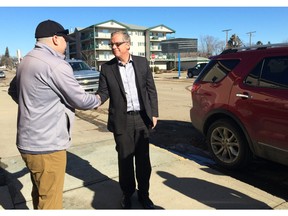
(100, 102)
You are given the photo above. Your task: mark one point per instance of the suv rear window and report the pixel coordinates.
(216, 70)
(271, 72)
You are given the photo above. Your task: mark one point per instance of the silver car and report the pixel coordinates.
(86, 76)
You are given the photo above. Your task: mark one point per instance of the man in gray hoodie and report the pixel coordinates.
(47, 95)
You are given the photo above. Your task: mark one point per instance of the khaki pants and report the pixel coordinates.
(47, 175)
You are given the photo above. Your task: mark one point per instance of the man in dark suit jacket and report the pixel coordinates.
(133, 109)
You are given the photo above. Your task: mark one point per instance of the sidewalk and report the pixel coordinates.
(92, 174)
(176, 183)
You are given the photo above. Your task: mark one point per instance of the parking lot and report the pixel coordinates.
(263, 184)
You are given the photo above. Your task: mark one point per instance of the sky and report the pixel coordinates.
(268, 23)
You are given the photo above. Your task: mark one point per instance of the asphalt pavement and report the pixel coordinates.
(91, 180)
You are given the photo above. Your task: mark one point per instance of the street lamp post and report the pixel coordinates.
(250, 35)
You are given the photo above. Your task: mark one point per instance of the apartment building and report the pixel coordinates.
(92, 43)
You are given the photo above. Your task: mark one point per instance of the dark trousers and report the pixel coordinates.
(134, 143)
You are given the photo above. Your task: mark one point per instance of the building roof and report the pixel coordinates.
(131, 26)
(160, 28)
(134, 27)
(193, 59)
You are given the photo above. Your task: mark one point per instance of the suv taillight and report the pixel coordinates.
(195, 87)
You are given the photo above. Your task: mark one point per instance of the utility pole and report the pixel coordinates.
(226, 30)
(250, 35)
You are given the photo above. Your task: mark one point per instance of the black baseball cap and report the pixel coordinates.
(49, 28)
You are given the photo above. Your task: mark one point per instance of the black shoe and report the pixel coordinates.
(146, 202)
(126, 202)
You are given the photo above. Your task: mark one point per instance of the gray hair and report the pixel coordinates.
(124, 34)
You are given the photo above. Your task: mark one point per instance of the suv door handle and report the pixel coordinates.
(244, 95)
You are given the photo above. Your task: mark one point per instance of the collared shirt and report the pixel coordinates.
(129, 82)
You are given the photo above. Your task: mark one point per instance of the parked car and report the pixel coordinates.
(85, 75)
(194, 71)
(2, 74)
(240, 103)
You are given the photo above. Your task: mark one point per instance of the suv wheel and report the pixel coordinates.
(190, 74)
(228, 145)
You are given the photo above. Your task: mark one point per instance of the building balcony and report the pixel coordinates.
(157, 49)
(102, 47)
(100, 35)
(157, 38)
(87, 37)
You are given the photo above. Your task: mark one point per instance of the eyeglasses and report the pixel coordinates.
(117, 44)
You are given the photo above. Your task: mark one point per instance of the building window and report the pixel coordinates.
(140, 44)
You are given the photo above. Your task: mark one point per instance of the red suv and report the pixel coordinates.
(240, 103)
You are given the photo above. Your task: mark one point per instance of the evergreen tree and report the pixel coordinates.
(7, 55)
(259, 43)
(6, 60)
(234, 41)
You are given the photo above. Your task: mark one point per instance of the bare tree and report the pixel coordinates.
(210, 45)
